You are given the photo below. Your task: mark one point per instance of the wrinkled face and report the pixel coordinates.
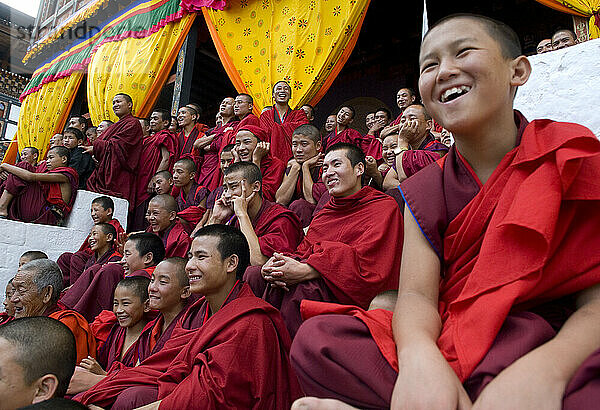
(339, 177)
(165, 291)
(226, 160)
(91, 135)
(181, 175)
(245, 143)
(330, 123)
(389, 144)
(242, 106)
(98, 240)
(185, 117)
(9, 307)
(206, 268)
(102, 127)
(226, 107)
(132, 260)
(562, 39)
(544, 46)
(26, 298)
(370, 120)
(27, 155)
(415, 114)
(99, 214)
(14, 391)
(309, 112)
(162, 185)
(404, 98)
(345, 116)
(382, 117)
(232, 186)
(465, 80)
(121, 106)
(127, 306)
(304, 148)
(53, 160)
(157, 123)
(282, 93)
(70, 140)
(158, 217)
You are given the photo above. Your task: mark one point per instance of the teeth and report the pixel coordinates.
(455, 90)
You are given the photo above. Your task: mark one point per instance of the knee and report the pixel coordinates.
(135, 397)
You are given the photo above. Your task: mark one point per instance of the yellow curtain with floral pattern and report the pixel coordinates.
(584, 8)
(134, 66)
(305, 42)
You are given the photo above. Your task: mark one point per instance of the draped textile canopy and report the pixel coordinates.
(305, 42)
(583, 8)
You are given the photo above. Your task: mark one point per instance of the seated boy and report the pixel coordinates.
(302, 188)
(162, 182)
(45, 198)
(79, 160)
(191, 200)
(493, 307)
(162, 218)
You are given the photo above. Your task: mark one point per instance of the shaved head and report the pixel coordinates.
(166, 202)
(178, 265)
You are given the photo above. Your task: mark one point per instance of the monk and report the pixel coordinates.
(79, 123)
(29, 256)
(281, 121)
(162, 182)
(251, 146)
(309, 110)
(487, 328)
(544, 46)
(210, 145)
(91, 134)
(342, 131)
(162, 220)
(118, 151)
(191, 200)
(301, 187)
(187, 117)
(242, 108)
(101, 128)
(229, 349)
(404, 97)
(267, 226)
(37, 286)
(79, 160)
(381, 119)
(92, 295)
(45, 198)
(345, 256)
(158, 154)
(30, 155)
(563, 38)
(416, 147)
(9, 308)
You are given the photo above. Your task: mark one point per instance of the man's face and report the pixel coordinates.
(74, 123)
(101, 128)
(28, 156)
(282, 93)
(162, 185)
(226, 107)
(330, 123)
(157, 123)
(404, 98)
(99, 214)
(245, 143)
(56, 140)
(70, 140)
(14, 391)
(303, 148)
(158, 217)
(544, 46)
(9, 307)
(465, 80)
(174, 125)
(53, 160)
(98, 240)
(206, 269)
(232, 186)
(132, 260)
(389, 144)
(127, 306)
(339, 177)
(562, 39)
(309, 112)
(242, 106)
(345, 116)
(121, 106)
(27, 299)
(370, 120)
(226, 160)
(382, 118)
(416, 115)
(164, 289)
(181, 175)
(185, 117)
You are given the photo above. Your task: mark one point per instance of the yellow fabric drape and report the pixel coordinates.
(137, 67)
(584, 8)
(305, 42)
(44, 113)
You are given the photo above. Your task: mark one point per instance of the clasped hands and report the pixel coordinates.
(282, 271)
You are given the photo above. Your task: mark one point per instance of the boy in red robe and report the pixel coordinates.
(346, 255)
(162, 182)
(45, 198)
(280, 121)
(250, 146)
(242, 108)
(118, 152)
(162, 218)
(301, 187)
(158, 154)
(488, 328)
(267, 226)
(342, 131)
(191, 200)
(187, 117)
(228, 325)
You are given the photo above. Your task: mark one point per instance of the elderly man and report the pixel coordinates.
(37, 287)
(33, 368)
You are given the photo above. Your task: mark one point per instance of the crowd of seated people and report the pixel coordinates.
(266, 260)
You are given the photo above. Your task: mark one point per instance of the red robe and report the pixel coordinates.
(349, 135)
(189, 208)
(208, 174)
(111, 349)
(176, 240)
(239, 359)
(118, 153)
(429, 151)
(272, 170)
(85, 342)
(300, 206)
(229, 136)
(280, 130)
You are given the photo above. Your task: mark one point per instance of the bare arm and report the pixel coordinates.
(256, 256)
(203, 142)
(32, 176)
(390, 129)
(164, 159)
(287, 188)
(391, 180)
(307, 182)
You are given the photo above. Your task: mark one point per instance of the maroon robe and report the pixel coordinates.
(349, 135)
(229, 136)
(110, 351)
(429, 151)
(242, 347)
(40, 202)
(300, 206)
(188, 207)
(118, 152)
(208, 173)
(272, 170)
(280, 130)
(176, 240)
(213, 196)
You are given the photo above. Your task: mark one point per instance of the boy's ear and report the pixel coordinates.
(186, 292)
(318, 146)
(110, 237)
(147, 306)
(172, 215)
(45, 388)
(110, 212)
(521, 69)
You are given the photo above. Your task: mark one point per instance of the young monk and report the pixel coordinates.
(228, 349)
(29, 256)
(9, 308)
(251, 146)
(191, 200)
(280, 121)
(489, 329)
(162, 220)
(342, 131)
(91, 134)
(346, 255)
(162, 182)
(267, 226)
(117, 151)
(30, 155)
(187, 117)
(242, 108)
(301, 187)
(158, 154)
(45, 198)
(91, 295)
(79, 160)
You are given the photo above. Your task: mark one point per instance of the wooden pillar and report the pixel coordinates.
(185, 70)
